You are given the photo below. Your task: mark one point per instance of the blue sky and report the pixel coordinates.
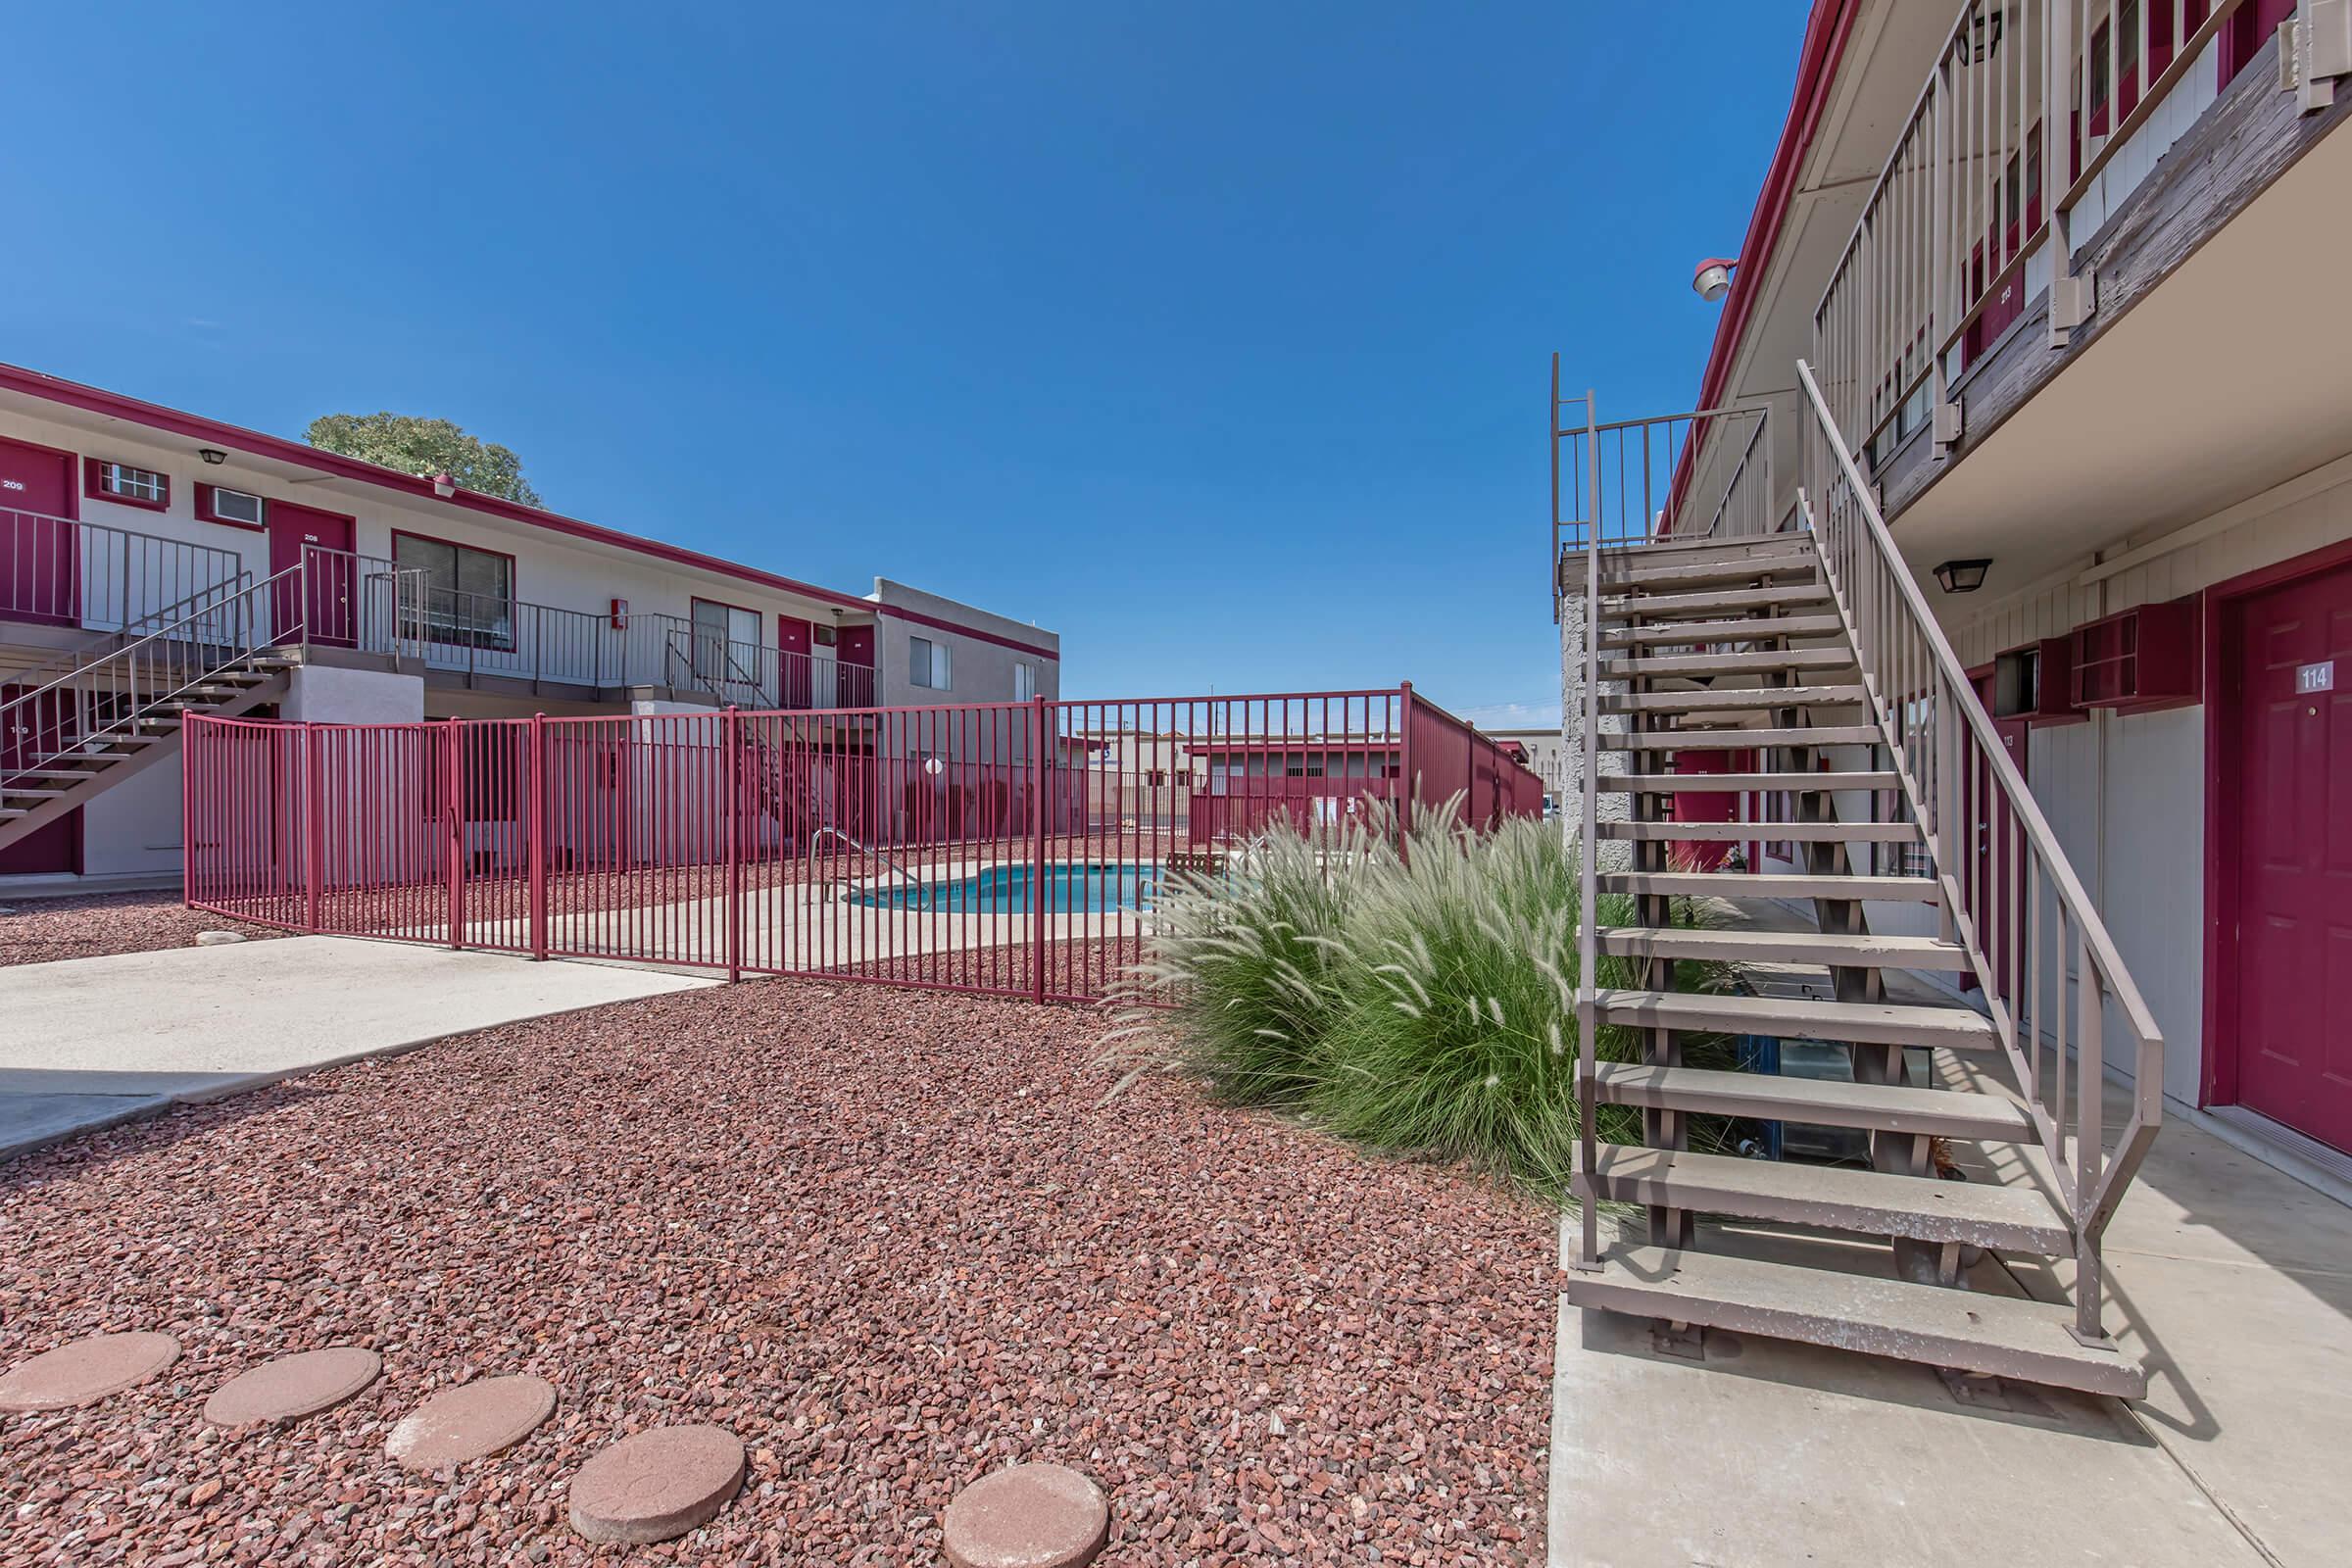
(1213, 336)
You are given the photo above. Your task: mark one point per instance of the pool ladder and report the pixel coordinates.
(830, 831)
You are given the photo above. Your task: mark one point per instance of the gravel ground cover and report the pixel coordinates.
(44, 930)
(893, 1241)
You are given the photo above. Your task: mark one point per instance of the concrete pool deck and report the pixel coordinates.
(796, 926)
(87, 1043)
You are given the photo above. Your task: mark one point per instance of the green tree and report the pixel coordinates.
(427, 446)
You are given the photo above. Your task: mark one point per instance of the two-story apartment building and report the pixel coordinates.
(139, 545)
(2061, 279)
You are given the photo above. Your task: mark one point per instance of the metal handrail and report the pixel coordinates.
(1645, 477)
(828, 831)
(755, 675)
(1588, 960)
(480, 634)
(1961, 782)
(75, 660)
(1961, 205)
(117, 691)
(90, 563)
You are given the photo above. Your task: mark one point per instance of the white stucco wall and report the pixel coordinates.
(980, 667)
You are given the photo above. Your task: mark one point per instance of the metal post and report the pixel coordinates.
(536, 828)
(314, 830)
(731, 728)
(1588, 958)
(2090, 1061)
(192, 770)
(1405, 768)
(1037, 863)
(452, 781)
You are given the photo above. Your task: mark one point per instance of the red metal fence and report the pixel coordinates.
(1007, 848)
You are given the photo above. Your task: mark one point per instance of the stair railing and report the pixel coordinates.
(106, 698)
(2010, 896)
(1588, 848)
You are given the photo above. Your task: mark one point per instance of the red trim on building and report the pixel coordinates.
(92, 490)
(934, 622)
(202, 494)
(1826, 35)
(211, 432)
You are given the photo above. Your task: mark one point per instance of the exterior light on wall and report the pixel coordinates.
(1713, 278)
(1962, 577)
(213, 455)
(444, 486)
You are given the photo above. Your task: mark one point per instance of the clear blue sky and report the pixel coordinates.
(1213, 337)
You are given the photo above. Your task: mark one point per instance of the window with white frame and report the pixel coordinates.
(927, 664)
(122, 482)
(1024, 680)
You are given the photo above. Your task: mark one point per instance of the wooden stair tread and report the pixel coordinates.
(1618, 577)
(1763, 832)
(1994, 1335)
(1709, 602)
(1923, 1209)
(1883, 1024)
(1745, 629)
(1741, 885)
(1851, 949)
(1814, 1102)
(1744, 698)
(1664, 666)
(1717, 740)
(1721, 783)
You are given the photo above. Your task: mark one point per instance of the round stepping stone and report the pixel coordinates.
(1027, 1516)
(657, 1485)
(85, 1371)
(471, 1421)
(293, 1387)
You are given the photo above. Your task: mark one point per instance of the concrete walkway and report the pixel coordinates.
(2230, 1280)
(90, 1041)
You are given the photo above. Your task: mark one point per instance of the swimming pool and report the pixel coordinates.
(1072, 887)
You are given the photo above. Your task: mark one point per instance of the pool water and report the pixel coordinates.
(1070, 889)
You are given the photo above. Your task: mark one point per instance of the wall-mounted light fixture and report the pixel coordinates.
(1962, 577)
(444, 486)
(1713, 278)
(213, 455)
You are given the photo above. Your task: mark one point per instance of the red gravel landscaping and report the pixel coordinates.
(892, 1241)
(44, 930)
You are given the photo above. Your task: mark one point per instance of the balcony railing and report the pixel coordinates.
(372, 605)
(2029, 99)
(750, 675)
(59, 572)
(1706, 474)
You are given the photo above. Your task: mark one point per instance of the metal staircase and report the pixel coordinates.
(90, 720)
(1814, 649)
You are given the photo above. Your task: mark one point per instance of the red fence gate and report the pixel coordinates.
(1007, 848)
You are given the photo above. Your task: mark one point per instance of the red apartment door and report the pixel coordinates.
(40, 551)
(30, 732)
(2294, 859)
(331, 614)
